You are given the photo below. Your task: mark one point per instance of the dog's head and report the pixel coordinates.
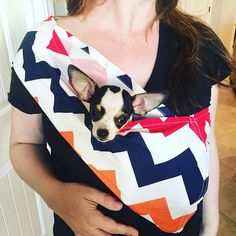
(110, 106)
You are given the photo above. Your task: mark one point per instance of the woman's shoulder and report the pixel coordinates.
(70, 23)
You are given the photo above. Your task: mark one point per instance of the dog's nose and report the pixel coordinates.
(102, 133)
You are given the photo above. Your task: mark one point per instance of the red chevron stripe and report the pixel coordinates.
(171, 124)
(49, 18)
(199, 124)
(69, 34)
(56, 45)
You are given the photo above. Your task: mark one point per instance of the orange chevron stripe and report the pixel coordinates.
(68, 136)
(108, 177)
(36, 98)
(157, 209)
(160, 214)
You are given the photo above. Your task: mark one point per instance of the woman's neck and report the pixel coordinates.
(124, 16)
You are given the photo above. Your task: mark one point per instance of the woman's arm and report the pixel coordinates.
(28, 152)
(75, 203)
(211, 199)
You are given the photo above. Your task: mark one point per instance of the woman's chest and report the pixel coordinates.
(134, 54)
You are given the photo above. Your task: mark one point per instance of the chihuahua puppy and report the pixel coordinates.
(110, 106)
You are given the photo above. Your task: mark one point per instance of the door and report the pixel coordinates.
(22, 212)
(200, 8)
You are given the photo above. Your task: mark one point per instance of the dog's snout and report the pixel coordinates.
(102, 133)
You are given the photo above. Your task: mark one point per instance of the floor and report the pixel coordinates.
(226, 139)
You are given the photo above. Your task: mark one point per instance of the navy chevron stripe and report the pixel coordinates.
(146, 172)
(35, 70)
(86, 49)
(126, 80)
(42, 70)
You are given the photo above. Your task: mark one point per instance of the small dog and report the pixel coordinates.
(110, 106)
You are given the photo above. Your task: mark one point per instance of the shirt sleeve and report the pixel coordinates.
(215, 65)
(20, 98)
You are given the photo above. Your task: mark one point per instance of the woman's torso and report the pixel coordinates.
(66, 162)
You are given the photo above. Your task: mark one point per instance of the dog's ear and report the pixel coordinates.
(145, 102)
(82, 84)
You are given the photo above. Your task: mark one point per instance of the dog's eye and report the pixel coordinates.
(121, 120)
(96, 114)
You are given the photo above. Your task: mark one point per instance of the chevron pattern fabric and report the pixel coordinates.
(158, 166)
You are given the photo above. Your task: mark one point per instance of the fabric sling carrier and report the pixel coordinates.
(158, 166)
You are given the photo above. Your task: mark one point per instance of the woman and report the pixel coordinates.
(160, 48)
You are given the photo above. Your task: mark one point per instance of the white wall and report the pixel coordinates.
(16, 17)
(22, 213)
(223, 20)
(4, 137)
(60, 7)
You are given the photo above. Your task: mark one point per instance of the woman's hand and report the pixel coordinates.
(77, 204)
